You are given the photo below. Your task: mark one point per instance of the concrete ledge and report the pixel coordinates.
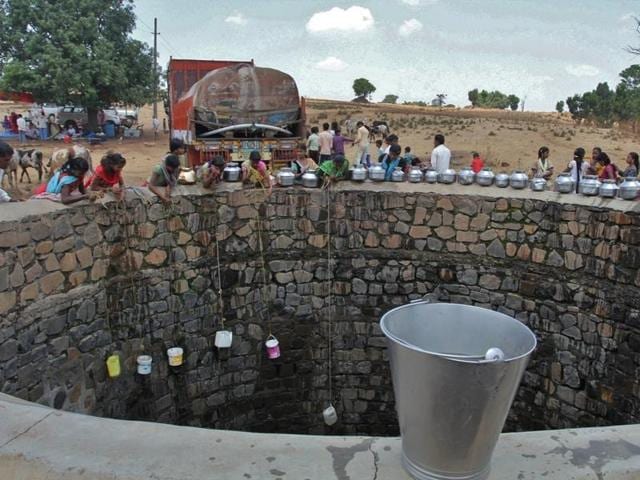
(37, 443)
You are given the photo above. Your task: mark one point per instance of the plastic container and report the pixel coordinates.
(113, 366)
(223, 339)
(330, 415)
(273, 347)
(109, 130)
(455, 371)
(175, 356)
(144, 364)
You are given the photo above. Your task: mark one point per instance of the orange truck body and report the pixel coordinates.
(205, 95)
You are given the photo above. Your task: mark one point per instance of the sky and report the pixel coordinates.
(541, 50)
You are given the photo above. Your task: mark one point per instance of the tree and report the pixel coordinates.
(363, 87)
(514, 101)
(441, 97)
(560, 106)
(473, 97)
(390, 98)
(74, 51)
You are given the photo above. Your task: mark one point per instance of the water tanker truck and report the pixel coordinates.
(230, 108)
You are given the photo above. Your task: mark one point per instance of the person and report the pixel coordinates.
(302, 163)
(477, 163)
(543, 167)
(212, 171)
(609, 171)
(578, 167)
(6, 124)
(392, 160)
(13, 120)
(633, 165)
(108, 175)
(101, 119)
(42, 124)
(390, 140)
(6, 152)
(362, 142)
(313, 145)
(67, 183)
(333, 170)
(409, 157)
(177, 148)
(52, 123)
(22, 129)
(254, 171)
(164, 177)
(32, 132)
(337, 146)
(155, 123)
(380, 149)
(595, 167)
(325, 139)
(440, 155)
(334, 128)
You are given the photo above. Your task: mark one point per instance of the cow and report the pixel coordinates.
(378, 128)
(30, 159)
(60, 157)
(349, 126)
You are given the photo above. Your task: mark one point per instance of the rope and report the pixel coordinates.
(264, 270)
(220, 301)
(330, 299)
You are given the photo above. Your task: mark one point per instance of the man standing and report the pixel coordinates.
(22, 129)
(440, 155)
(326, 143)
(362, 142)
(101, 119)
(6, 152)
(313, 145)
(42, 124)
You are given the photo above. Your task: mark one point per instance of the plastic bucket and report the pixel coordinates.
(455, 371)
(273, 347)
(113, 366)
(330, 415)
(223, 339)
(175, 356)
(144, 364)
(109, 130)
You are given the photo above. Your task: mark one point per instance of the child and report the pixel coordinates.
(108, 175)
(477, 163)
(164, 177)
(212, 171)
(66, 184)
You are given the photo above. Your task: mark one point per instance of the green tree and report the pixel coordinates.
(390, 98)
(74, 51)
(514, 101)
(473, 97)
(560, 106)
(363, 87)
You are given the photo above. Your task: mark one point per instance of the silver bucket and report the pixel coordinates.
(452, 393)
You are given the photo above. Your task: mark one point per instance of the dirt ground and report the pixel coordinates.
(507, 140)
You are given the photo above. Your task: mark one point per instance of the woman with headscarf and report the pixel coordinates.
(164, 177)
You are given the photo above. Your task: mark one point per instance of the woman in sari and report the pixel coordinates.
(333, 170)
(254, 171)
(67, 183)
(164, 177)
(392, 160)
(108, 175)
(302, 163)
(609, 171)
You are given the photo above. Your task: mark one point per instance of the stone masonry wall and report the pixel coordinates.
(82, 283)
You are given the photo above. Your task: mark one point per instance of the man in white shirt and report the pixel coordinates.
(440, 155)
(325, 139)
(22, 129)
(362, 142)
(6, 152)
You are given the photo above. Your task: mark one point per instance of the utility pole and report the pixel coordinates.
(155, 67)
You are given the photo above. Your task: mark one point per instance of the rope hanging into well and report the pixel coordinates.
(329, 298)
(220, 300)
(265, 303)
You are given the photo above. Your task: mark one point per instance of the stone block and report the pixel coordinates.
(445, 232)
(496, 249)
(156, 257)
(99, 269)
(444, 203)
(480, 222)
(51, 282)
(77, 278)
(7, 301)
(44, 247)
(92, 235)
(17, 276)
(467, 237)
(538, 255)
(490, 282)
(68, 262)
(29, 292)
(419, 232)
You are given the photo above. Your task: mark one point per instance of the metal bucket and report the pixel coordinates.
(452, 401)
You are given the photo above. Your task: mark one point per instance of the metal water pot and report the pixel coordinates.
(538, 184)
(502, 180)
(485, 177)
(415, 175)
(359, 173)
(518, 179)
(286, 177)
(608, 189)
(310, 179)
(231, 173)
(431, 176)
(466, 176)
(589, 185)
(376, 173)
(397, 175)
(448, 176)
(564, 183)
(629, 189)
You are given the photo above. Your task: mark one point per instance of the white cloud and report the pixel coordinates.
(353, 19)
(627, 17)
(237, 19)
(331, 64)
(582, 70)
(409, 27)
(417, 3)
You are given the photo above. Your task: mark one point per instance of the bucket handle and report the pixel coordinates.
(455, 356)
(272, 337)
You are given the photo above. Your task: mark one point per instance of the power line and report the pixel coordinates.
(169, 46)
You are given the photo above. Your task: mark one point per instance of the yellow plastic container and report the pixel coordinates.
(113, 366)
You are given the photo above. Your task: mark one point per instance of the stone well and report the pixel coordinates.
(81, 283)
